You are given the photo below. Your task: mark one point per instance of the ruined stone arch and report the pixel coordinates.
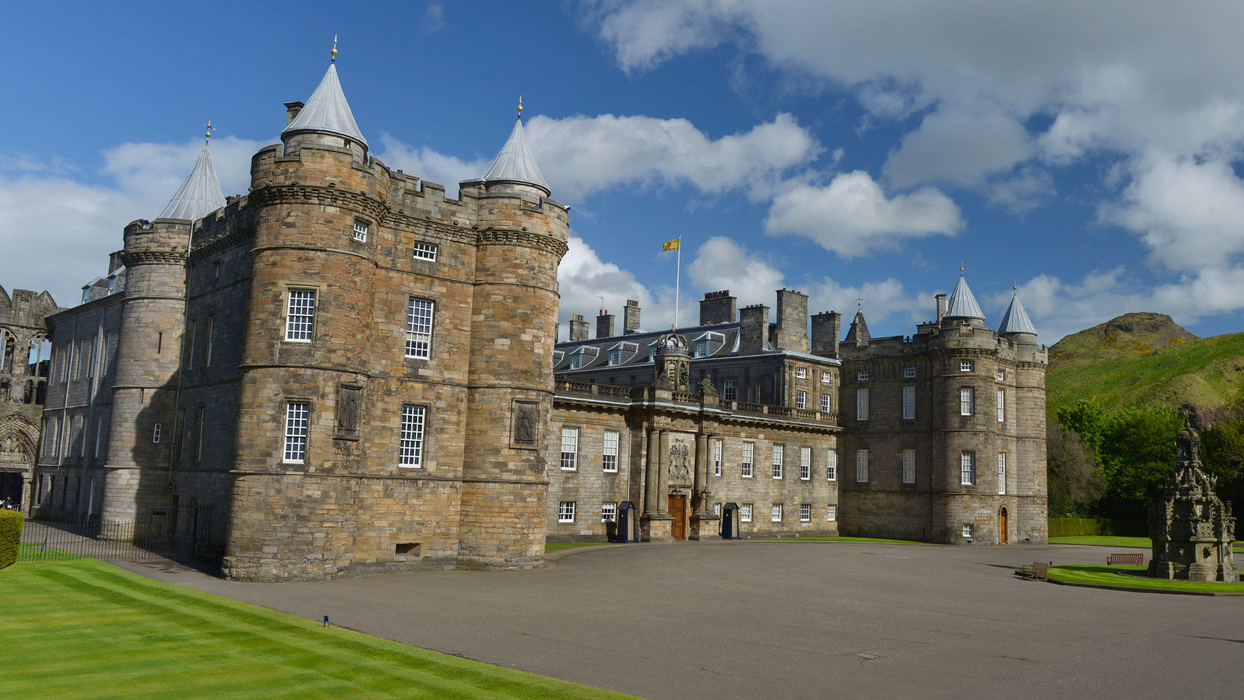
(18, 436)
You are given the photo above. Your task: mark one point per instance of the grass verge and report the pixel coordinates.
(881, 540)
(1124, 577)
(550, 546)
(82, 628)
(1116, 541)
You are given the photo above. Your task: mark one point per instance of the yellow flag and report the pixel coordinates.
(670, 245)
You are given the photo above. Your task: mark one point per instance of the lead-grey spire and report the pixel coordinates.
(1016, 320)
(327, 110)
(515, 163)
(962, 304)
(199, 195)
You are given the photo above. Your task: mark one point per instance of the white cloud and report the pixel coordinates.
(581, 155)
(79, 219)
(959, 147)
(852, 216)
(427, 164)
(721, 263)
(885, 303)
(583, 277)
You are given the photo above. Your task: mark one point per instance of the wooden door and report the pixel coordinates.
(678, 511)
(1002, 526)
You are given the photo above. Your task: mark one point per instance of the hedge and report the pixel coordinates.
(1070, 527)
(10, 536)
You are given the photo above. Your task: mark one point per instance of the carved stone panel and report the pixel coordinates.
(526, 421)
(681, 460)
(349, 411)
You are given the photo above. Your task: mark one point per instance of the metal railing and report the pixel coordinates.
(58, 540)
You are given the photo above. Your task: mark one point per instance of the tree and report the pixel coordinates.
(1074, 474)
(1138, 453)
(1087, 420)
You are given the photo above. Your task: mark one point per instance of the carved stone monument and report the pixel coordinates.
(1192, 529)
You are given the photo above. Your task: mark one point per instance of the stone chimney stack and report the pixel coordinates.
(941, 306)
(630, 317)
(718, 307)
(792, 321)
(604, 324)
(578, 328)
(291, 111)
(826, 330)
(753, 327)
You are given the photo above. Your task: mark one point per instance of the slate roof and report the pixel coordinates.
(327, 110)
(1016, 320)
(515, 163)
(962, 304)
(199, 195)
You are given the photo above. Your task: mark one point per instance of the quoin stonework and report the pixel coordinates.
(344, 370)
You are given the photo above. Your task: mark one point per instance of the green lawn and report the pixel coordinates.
(881, 540)
(82, 629)
(567, 545)
(1117, 541)
(1117, 576)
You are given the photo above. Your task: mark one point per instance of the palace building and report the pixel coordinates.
(345, 371)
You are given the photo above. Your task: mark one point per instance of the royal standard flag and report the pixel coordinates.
(670, 245)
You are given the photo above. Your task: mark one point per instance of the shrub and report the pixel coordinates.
(10, 536)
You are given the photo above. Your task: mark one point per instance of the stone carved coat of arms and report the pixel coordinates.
(680, 463)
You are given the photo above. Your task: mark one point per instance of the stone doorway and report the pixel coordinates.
(1002, 526)
(11, 488)
(678, 511)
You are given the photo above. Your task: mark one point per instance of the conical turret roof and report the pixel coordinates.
(327, 110)
(199, 195)
(962, 304)
(515, 163)
(858, 333)
(1016, 320)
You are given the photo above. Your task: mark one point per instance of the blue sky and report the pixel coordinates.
(1090, 154)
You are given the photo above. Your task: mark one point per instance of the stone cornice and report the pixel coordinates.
(405, 222)
(152, 257)
(527, 239)
(234, 238)
(322, 196)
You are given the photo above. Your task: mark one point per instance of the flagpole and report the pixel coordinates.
(677, 279)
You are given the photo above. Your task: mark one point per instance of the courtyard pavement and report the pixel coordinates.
(792, 620)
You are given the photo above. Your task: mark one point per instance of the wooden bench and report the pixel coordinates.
(1039, 571)
(1128, 559)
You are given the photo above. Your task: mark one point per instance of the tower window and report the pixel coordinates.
(967, 468)
(297, 420)
(861, 404)
(909, 466)
(966, 365)
(360, 231)
(425, 251)
(861, 466)
(967, 401)
(909, 403)
(419, 328)
(300, 319)
(410, 450)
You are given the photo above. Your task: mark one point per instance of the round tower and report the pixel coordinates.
(520, 240)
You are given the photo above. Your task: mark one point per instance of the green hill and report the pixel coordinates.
(1144, 358)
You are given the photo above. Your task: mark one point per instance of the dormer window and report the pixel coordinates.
(652, 353)
(360, 231)
(576, 360)
(86, 294)
(425, 251)
(701, 348)
(112, 281)
(615, 357)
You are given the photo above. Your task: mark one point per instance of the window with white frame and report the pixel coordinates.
(831, 465)
(745, 513)
(861, 404)
(717, 509)
(909, 466)
(1002, 405)
(861, 376)
(156, 433)
(576, 360)
(1001, 473)
(1000, 375)
(419, 328)
(570, 449)
(966, 365)
(967, 531)
(297, 420)
(410, 449)
(565, 512)
(300, 315)
(805, 463)
(745, 462)
(909, 373)
(824, 403)
(727, 390)
(967, 468)
(826, 377)
(609, 455)
(805, 512)
(718, 449)
(831, 512)
(801, 399)
(425, 251)
(701, 348)
(801, 373)
(615, 357)
(909, 403)
(778, 453)
(360, 231)
(608, 512)
(861, 466)
(776, 513)
(967, 401)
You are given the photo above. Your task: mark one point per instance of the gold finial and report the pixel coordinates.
(334, 51)
(1014, 285)
(960, 267)
(859, 303)
(520, 106)
(209, 129)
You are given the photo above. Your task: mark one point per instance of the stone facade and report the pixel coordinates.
(23, 391)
